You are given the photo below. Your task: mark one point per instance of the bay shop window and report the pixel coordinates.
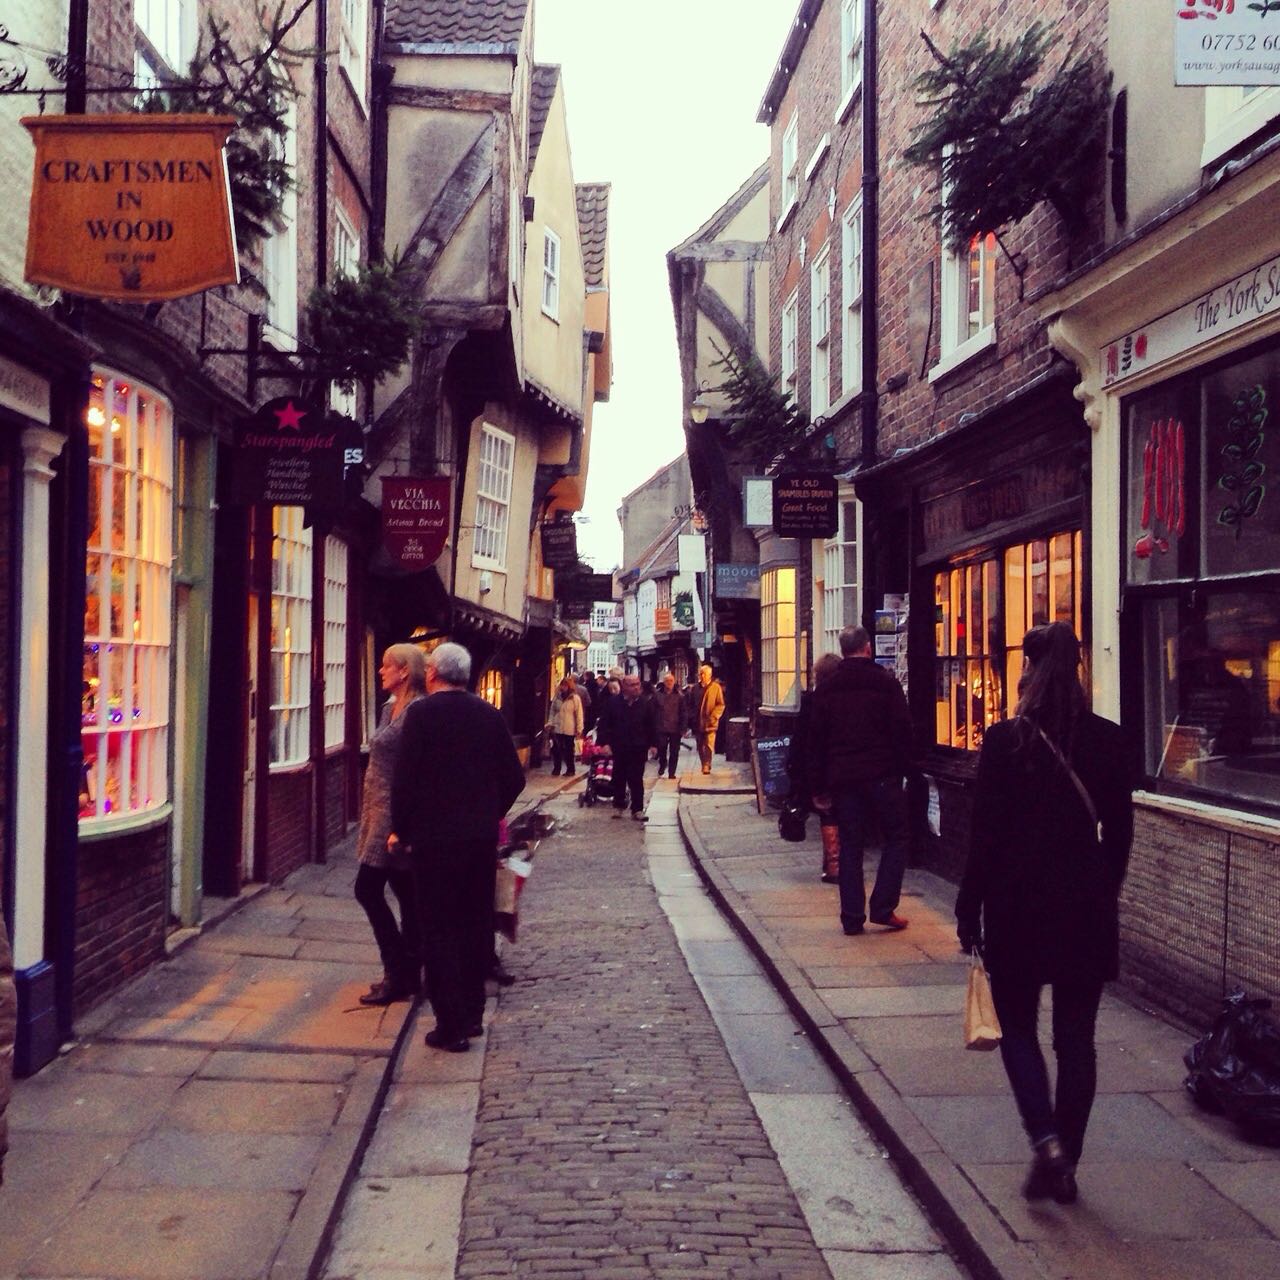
(291, 552)
(982, 610)
(1201, 649)
(780, 663)
(124, 705)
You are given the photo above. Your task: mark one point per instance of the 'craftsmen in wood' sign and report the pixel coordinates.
(133, 207)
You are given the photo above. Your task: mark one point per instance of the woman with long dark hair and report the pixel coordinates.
(1049, 844)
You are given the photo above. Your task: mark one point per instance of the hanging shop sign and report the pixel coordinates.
(683, 616)
(289, 454)
(805, 505)
(575, 610)
(584, 586)
(757, 502)
(415, 518)
(1248, 297)
(132, 207)
(560, 545)
(692, 552)
(1226, 42)
(738, 582)
(662, 619)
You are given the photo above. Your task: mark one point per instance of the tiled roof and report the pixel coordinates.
(593, 228)
(468, 22)
(542, 88)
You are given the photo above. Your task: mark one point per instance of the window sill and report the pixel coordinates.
(819, 155)
(288, 767)
(1239, 125)
(1218, 815)
(278, 338)
(852, 94)
(785, 216)
(94, 829)
(968, 350)
(491, 566)
(553, 316)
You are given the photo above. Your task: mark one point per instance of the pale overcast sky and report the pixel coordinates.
(662, 100)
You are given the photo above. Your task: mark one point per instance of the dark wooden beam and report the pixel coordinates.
(429, 98)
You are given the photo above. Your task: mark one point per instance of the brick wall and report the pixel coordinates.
(1197, 914)
(335, 798)
(909, 240)
(121, 911)
(288, 823)
(7, 549)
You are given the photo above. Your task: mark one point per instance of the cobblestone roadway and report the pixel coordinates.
(614, 1138)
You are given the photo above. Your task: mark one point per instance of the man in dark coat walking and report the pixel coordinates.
(628, 731)
(456, 776)
(669, 709)
(860, 749)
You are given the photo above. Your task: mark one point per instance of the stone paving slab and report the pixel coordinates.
(1166, 1190)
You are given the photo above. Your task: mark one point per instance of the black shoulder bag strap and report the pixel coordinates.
(1075, 778)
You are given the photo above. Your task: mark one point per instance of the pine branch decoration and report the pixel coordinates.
(1004, 147)
(763, 420)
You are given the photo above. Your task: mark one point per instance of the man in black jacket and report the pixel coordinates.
(669, 710)
(456, 775)
(860, 749)
(628, 730)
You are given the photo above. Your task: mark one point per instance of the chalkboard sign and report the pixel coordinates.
(769, 760)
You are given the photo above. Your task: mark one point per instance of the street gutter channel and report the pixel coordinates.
(972, 1229)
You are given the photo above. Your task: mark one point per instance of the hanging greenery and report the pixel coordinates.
(1002, 146)
(361, 326)
(254, 86)
(762, 419)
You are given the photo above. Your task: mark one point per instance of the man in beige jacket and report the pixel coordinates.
(710, 705)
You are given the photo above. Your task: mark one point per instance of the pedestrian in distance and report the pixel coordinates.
(456, 776)
(628, 731)
(710, 701)
(1049, 844)
(860, 751)
(403, 676)
(586, 687)
(798, 771)
(669, 709)
(566, 724)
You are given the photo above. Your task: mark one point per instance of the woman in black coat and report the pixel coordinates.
(1049, 844)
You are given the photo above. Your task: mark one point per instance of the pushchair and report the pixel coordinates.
(599, 774)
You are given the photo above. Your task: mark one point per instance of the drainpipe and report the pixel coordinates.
(870, 234)
(380, 76)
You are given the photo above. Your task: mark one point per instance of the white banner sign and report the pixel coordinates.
(1226, 42)
(1229, 306)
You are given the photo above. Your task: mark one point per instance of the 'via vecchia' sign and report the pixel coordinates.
(133, 207)
(415, 518)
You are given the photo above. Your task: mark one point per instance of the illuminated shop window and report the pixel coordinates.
(124, 707)
(982, 610)
(779, 644)
(335, 642)
(290, 637)
(490, 688)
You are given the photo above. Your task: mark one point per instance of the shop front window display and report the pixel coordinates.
(982, 610)
(124, 702)
(1203, 579)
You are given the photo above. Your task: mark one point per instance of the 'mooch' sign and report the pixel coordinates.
(131, 207)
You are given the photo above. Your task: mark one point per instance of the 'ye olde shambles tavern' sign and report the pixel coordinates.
(805, 505)
(415, 519)
(288, 455)
(132, 207)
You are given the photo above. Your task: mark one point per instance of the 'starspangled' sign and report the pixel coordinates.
(289, 454)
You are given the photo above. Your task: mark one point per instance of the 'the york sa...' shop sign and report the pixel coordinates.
(131, 207)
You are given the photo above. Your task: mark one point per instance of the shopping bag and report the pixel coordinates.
(512, 873)
(981, 1026)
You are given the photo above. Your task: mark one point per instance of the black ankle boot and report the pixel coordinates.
(1051, 1174)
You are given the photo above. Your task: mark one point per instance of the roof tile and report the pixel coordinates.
(542, 89)
(593, 228)
(456, 21)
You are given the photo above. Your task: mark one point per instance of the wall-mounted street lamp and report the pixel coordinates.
(700, 409)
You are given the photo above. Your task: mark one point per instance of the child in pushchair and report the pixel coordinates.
(599, 774)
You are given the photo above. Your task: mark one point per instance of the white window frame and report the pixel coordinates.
(337, 562)
(551, 274)
(599, 657)
(291, 552)
(820, 333)
(780, 669)
(280, 251)
(851, 251)
(353, 44)
(850, 52)
(790, 166)
(790, 341)
(495, 464)
(170, 28)
(835, 578)
(346, 262)
(959, 339)
(1234, 113)
(125, 703)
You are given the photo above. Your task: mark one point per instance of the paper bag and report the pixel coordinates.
(981, 1026)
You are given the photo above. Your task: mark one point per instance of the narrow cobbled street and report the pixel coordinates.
(617, 1137)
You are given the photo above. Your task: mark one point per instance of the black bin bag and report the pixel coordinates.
(1235, 1069)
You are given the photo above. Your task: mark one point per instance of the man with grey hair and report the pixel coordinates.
(456, 775)
(860, 748)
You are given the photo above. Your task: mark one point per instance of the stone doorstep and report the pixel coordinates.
(968, 1219)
